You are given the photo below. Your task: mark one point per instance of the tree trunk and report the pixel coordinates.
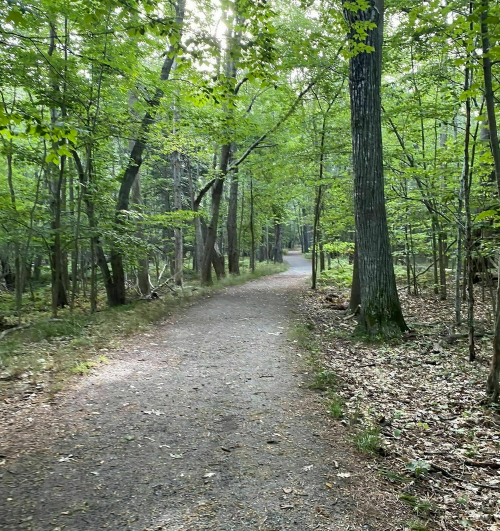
(493, 384)
(18, 281)
(252, 229)
(178, 243)
(211, 237)
(278, 242)
(198, 238)
(355, 301)
(55, 175)
(380, 308)
(233, 255)
(37, 268)
(317, 208)
(59, 296)
(143, 280)
(118, 291)
(218, 262)
(435, 257)
(442, 264)
(234, 42)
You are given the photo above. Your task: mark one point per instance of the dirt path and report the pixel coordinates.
(205, 425)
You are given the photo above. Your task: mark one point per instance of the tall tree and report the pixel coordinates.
(380, 307)
(493, 384)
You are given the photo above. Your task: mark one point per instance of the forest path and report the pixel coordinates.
(203, 426)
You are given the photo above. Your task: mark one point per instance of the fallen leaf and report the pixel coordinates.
(287, 490)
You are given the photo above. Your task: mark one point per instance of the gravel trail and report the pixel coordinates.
(205, 423)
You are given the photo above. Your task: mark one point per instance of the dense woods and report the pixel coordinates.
(149, 142)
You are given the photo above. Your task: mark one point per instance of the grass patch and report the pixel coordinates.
(420, 506)
(394, 476)
(86, 367)
(301, 335)
(324, 381)
(73, 343)
(368, 440)
(336, 407)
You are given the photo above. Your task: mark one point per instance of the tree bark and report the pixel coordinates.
(178, 243)
(493, 383)
(355, 300)
(211, 237)
(218, 262)
(252, 228)
(278, 242)
(380, 308)
(143, 280)
(233, 255)
(442, 264)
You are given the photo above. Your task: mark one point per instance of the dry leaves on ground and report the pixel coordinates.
(440, 439)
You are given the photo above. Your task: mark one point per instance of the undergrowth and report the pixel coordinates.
(368, 440)
(336, 407)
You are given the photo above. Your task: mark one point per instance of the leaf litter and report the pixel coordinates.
(439, 439)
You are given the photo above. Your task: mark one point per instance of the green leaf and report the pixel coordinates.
(16, 17)
(486, 214)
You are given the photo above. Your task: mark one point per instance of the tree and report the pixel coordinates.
(380, 308)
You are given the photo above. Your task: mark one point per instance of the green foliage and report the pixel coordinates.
(336, 407)
(339, 275)
(420, 506)
(324, 380)
(368, 440)
(418, 468)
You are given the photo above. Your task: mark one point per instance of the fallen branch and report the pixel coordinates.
(9, 330)
(27, 325)
(456, 478)
(483, 464)
(454, 337)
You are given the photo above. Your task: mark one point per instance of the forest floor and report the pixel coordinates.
(417, 403)
(206, 422)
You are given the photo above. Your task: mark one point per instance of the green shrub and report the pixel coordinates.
(420, 506)
(340, 274)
